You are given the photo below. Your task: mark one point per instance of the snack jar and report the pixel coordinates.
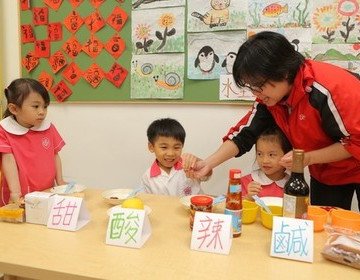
(201, 203)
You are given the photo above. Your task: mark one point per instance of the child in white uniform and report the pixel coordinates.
(166, 176)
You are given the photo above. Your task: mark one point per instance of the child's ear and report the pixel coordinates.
(150, 147)
(12, 108)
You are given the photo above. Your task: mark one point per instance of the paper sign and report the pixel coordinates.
(42, 48)
(30, 61)
(117, 74)
(93, 46)
(54, 4)
(94, 75)
(72, 73)
(96, 3)
(128, 227)
(117, 18)
(61, 91)
(73, 22)
(27, 33)
(37, 207)
(40, 16)
(24, 5)
(94, 22)
(115, 46)
(68, 213)
(72, 47)
(55, 31)
(211, 233)
(57, 61)
(46, 80)
(292, 239)
(75, 3)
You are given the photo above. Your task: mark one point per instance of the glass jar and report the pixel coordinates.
(201, 203)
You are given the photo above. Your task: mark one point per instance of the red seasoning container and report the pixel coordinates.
(201, 203)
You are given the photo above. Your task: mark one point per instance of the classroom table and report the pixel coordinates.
(34, 251)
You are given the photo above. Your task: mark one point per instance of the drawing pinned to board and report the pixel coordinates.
(279, 14)
(157, 76)
(228, 90)
(148, 4)
(336, 21)
(213, 15)
(343, 55)
(160, 31)
(298, 37)
(211, 54)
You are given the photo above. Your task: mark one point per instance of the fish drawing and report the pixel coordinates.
(274, 10)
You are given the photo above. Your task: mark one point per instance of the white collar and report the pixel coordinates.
(260, 177)
(13, 127)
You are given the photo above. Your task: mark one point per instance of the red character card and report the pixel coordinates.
(96, 3)
(94, 75)
(54, 4)
(55, 31)
(115, 46)
(27, 34)
(75, 3)
(42, 48)
(61, 91)
(117, 18)
(24, 5)
(72, 47)
(117, 74)
(93, 46)
(30, 61)
(94, 21)
(46, 80)
(72, 73)
(40, 16)
(57, 61)
(73, 22)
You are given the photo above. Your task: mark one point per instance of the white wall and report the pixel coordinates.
(106, 143)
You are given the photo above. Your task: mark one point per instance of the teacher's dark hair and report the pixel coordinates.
(266, 56)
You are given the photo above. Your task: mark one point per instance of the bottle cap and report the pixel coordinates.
(235, 174)
(201, 200)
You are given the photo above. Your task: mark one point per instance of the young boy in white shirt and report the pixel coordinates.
(166, 176)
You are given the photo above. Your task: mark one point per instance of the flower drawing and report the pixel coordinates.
(326, 19)
(142, 32)
(347, 8)
(166, 21)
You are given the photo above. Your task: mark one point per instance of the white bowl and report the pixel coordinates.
(146, 208)
(272, 200)
(61, 189)
(116, 196)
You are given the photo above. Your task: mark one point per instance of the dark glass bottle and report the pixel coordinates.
(296, 190)
(234, 201)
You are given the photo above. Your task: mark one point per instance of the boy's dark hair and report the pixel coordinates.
(266, 56)
(19, 90)
(275, 134)
(166, 127)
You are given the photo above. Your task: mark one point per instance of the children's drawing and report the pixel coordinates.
(157, 76)
(336, 21)
(212, 54)
(300, 38)
(148, 4)
(212, 15)
(162, 30)
(343, 55)
(228, 90)
(279, 14)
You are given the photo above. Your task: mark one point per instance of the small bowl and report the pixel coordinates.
(267, 219)
(345, 219)
(318, 215)
(250, 211)
(116, 196)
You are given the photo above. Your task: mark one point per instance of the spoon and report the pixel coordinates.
(261, 203)
(135, 191)
(219, 199)
(69, 187)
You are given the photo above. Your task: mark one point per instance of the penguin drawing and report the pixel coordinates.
(295, 44)
(229, 62)
(206, 59)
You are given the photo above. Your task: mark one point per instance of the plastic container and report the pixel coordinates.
(250, 211)
(199, 203)
(345, 219)
(12, 213)
(318, 215)
(267, 219)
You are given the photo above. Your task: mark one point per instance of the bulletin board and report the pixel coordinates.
(326, 30)
(195, 91)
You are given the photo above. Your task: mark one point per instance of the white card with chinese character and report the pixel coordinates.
(292, 239)
(212, 233)
(128, 227)
(68, 213)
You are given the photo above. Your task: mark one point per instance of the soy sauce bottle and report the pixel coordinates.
(234, 201)
(296, 190)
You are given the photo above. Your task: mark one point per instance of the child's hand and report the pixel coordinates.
(17, 199)
(253, 189)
